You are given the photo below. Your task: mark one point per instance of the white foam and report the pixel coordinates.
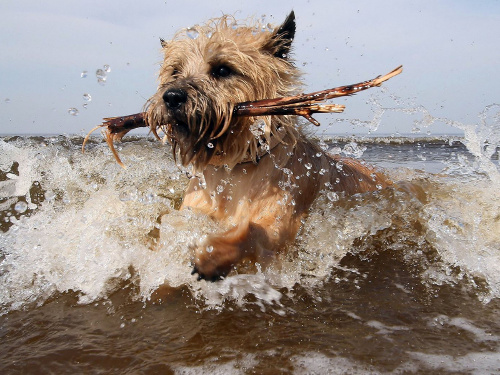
(479, 334)
(473, 363)
(462, 224)
(236, 366)
(93, 228)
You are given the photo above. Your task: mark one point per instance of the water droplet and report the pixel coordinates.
(322, 171)
(220, 189)
(258, 128)
(332, 196)
(210, 145)
(101, 76)
(125, 196)
(308, 166)
(50, 196)
(107, 68)
(84, 74)
(73, 111)
(352, 148)
(192, 33)
(379, 187)
(87, 97)
(209, 249)
(21, 207)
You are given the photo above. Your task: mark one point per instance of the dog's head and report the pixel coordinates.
(206, 71)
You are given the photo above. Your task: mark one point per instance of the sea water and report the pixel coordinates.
(95, 265)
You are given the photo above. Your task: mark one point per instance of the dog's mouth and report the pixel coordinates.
(180, 130)
(191, 142)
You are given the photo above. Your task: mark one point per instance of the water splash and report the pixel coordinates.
(481, 139)
(352, 149)
(89, 224)
(258, 128)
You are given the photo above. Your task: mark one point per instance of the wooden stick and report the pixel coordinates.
(300, 105)
(258, 108)
(116, 128)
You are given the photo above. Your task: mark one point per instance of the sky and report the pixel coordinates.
(449, 50)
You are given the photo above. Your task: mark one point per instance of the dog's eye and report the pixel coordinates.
(221, 71)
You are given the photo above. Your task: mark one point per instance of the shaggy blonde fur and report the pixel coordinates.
(258, 176)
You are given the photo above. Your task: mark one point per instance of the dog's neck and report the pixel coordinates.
(263, 149)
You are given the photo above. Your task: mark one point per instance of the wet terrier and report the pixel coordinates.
(256, 176)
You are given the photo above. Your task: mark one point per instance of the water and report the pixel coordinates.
(95, 267)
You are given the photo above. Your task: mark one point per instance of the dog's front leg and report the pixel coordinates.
(218, 255)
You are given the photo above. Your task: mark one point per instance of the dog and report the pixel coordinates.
(255, 176)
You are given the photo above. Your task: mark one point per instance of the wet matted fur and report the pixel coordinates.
(257, 176)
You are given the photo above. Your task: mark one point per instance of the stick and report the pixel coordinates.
(258, 108)
(300, 105)
(116, 128)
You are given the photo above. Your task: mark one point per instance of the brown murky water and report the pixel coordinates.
(382, 283)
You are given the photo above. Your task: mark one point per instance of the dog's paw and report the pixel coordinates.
(202, 276)
(214, 262)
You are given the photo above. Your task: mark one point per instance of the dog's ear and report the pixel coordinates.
(280, 42)
(163, 43)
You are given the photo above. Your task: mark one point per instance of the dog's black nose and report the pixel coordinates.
(174, 98)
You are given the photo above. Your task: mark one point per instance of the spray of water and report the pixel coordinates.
(80, 224)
